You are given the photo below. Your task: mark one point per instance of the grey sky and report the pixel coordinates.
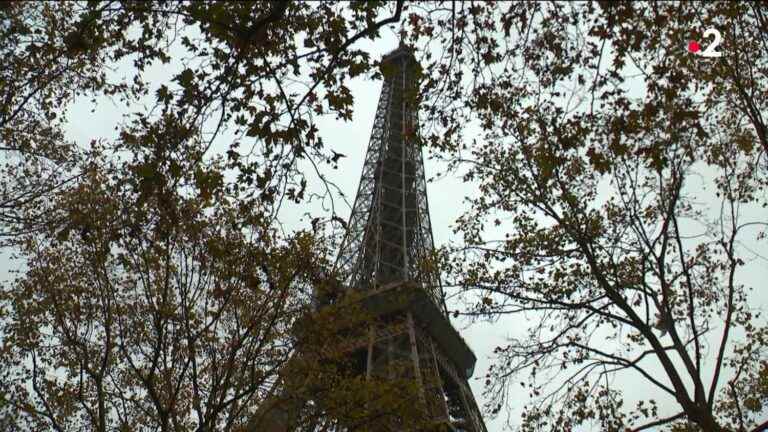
(445, 203)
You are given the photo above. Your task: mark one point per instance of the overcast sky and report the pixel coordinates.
(445, 203)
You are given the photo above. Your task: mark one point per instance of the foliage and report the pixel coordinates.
(158, 291)
(257, 71)
(135, 318)
(591, 220)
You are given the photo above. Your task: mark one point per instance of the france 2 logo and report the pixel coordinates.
(711, 49)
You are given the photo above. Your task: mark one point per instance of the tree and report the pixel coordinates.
(156, 310)
(587, 170)
(597, 129)
(158, 290)
(35, 80)
(259, 71)
(166, 314)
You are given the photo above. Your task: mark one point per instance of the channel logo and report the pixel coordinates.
(694, 47)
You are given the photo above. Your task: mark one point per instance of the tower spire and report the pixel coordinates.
(389, 233)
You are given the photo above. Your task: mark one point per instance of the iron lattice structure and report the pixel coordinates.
(406, 335)
(389, 234)
(388, 240)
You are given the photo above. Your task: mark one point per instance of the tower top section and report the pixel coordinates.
(389, 235)
(401, 52)
(401, 61)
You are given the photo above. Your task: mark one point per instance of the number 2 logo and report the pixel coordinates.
(711, 49)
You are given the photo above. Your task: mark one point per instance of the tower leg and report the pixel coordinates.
(410, 353)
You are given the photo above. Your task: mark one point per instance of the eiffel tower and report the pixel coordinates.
(383, 254)
(382, 262)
